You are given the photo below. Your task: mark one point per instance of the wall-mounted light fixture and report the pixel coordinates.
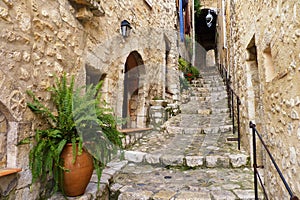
(209, 19)
(125, 28)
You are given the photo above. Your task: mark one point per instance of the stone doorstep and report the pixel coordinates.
(210, 161)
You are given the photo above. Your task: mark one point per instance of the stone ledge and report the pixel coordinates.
(8, 171)
(209, 161)
(133, 135)
(133, 130)
(86, 9)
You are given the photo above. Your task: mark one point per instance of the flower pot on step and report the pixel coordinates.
(77, 175)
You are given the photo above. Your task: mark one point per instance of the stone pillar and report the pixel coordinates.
(12, 145)
(158, 114)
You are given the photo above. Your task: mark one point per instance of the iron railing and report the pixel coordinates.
(234, 103)
(255, 167)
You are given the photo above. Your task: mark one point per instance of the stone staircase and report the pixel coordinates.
(198, 136)
(190, 159)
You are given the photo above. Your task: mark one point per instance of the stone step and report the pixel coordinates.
(152, 183)
(208, 99)
(209, 161)
(214, 95)
(208, 85)
(219, 87)
(199, 130)
(201, 82)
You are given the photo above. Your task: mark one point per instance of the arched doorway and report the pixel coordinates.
(134, 68)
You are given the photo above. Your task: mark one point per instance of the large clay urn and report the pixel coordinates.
(78, 174)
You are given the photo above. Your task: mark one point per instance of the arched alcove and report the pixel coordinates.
(210, 58)
(268, 65)
(206, 34)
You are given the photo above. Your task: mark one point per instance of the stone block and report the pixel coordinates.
(84, 14)
(109, 171)
(134, 156)
(117, 165)
(153, 158)
(105, 178)
(238, 160)
(194, 161)
(172, 160)
(217, 161)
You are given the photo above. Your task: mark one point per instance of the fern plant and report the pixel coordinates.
(78, 117)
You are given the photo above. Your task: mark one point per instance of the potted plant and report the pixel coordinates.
(77, 122)
(190, 72)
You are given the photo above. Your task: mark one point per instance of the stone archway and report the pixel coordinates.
(134, 68)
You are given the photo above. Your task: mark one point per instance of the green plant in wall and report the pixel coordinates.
(197, 8)
(78, 117)
(190, 72)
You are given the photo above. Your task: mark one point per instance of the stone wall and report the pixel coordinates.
(264, 65)
(41, 39)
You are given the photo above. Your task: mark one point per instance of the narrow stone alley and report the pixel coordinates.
(190, 159)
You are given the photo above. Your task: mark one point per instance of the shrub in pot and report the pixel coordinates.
(78, 121)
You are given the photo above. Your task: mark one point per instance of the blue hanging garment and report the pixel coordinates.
(181, 25)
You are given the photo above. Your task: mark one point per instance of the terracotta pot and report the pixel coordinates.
(78, 175)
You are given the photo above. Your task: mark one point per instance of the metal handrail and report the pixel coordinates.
(256, 173)
(231, 95)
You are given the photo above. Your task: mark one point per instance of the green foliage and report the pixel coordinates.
(157, 98)
(190, 72)
(197, 8)
(79, 117)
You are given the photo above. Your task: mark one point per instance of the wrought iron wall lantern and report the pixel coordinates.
(209, 18)
(125, 28)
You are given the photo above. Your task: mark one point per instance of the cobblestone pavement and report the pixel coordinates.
(191, 158)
